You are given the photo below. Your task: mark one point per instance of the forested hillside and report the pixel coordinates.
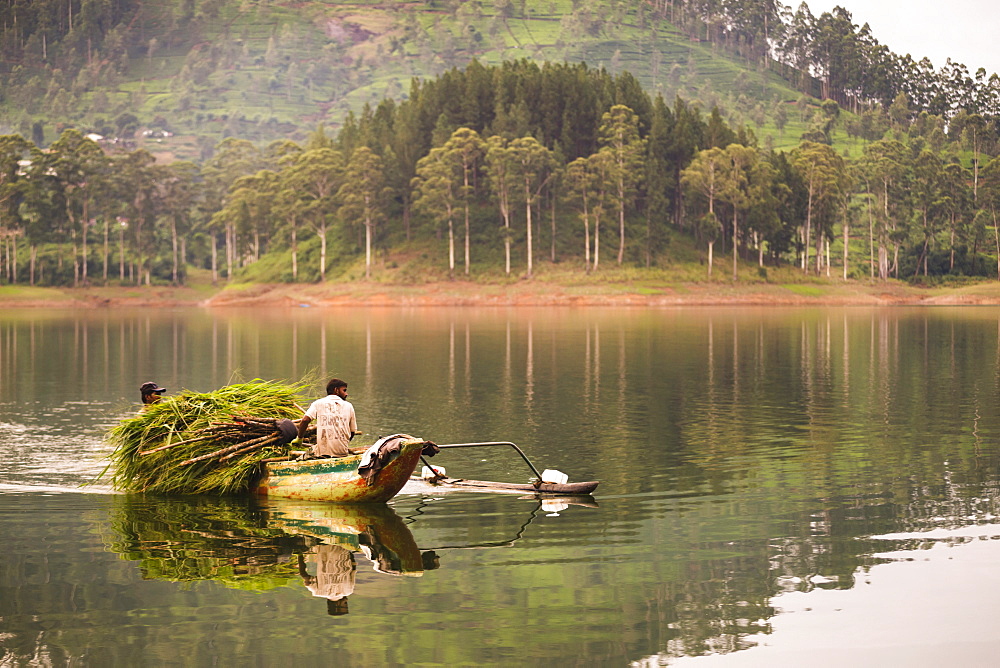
(198, 71)
(419, 162)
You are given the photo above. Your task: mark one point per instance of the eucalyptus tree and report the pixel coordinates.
(499, 167)
(779, 226)
(657, 182)
(111, 195)
(465, 148)
(823, 172)
(886, 171)
(140, 208)
(929, 202)
(586, 191)
(834, 52)
(800, 35)
(619, 138)
(705, 177)
(686, 138)
(13, 149)
(989, 203)
(745, 180)
(78, 164)
(233, 158)
(958, 205)
(247, 210)
(287, 201)
(180, 189)
(767, 196)
(42, 207)
(407, 145)
(363, 193)
(534, 167)
(436, 196)
(756, 23)
(317, 175)
(971, 128)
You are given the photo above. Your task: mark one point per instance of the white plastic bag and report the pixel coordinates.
(554, 476)
(431, 472)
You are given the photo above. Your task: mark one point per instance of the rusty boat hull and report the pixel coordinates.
(337, 480)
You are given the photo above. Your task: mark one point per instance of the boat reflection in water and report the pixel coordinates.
(260, 545)
(343, 530)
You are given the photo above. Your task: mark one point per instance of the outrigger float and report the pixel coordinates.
(548, 482)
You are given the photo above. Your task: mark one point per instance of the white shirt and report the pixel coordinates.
(335, 571)
(335, 423)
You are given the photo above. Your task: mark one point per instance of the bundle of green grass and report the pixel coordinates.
(198, 443)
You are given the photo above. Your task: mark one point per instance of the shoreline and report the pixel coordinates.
(522, 293)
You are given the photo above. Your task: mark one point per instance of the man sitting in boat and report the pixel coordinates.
(336, 423)
(150, 393)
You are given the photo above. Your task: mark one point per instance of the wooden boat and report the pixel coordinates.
(337, 479)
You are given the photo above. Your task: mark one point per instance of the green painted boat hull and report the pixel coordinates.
(337, 479)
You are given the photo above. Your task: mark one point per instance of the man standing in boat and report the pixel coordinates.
(336, 423)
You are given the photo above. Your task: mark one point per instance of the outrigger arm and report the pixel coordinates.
(487, 444)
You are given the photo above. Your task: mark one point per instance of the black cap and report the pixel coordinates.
(150, 388)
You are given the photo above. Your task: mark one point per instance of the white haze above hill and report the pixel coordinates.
(963, 30)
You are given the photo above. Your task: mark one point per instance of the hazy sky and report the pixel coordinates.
(967, 31)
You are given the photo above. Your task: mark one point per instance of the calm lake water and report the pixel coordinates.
(778, 487)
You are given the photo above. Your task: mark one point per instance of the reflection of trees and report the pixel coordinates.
(186, 540)
(253, 544)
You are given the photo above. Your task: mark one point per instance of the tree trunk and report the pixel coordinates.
(322, 253)
(368, 247)
(230, 251)
(552, 257)
(173, 239)
(451, 248)
(467, 236)
(735, 246)
(996, 233)
(805, 246)
(107, 248)
(951, 260)
(597, 237)
(85, 224)
(215, 260)
(295, 255)
(527, 199)
(406, 215)
(621, 220)
(847, 239)
(506, 239)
